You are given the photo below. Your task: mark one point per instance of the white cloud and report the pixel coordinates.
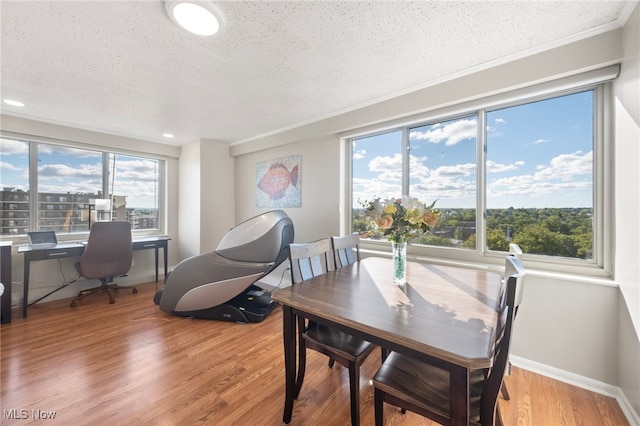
(13, 147)
(565, 172)
(359, 154)
(62, 171)
(567, 166)
(467, 169)
(451, 132)
(8, 166)
(493, 167)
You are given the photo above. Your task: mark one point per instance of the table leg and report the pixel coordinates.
(289, 338)
(459, 391)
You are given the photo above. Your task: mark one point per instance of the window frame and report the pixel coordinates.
(35, 141)
(596, 80)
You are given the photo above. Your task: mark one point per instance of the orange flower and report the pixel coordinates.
(384, 222)
(430, 218)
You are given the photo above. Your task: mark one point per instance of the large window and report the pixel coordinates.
(71, 186)
(521, 172)
(539, 176)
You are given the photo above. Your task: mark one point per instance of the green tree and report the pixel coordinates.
(538, 239)
(497, 240)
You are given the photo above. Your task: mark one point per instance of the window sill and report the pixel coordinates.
(588, 274)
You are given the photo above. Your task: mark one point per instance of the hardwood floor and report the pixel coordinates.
(130, 363)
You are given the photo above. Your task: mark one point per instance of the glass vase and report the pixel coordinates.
(399, 251)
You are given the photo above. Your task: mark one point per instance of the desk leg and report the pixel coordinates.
(165, 248)
(25, 279)
(289, 338)
(156, 257)
(459, 391)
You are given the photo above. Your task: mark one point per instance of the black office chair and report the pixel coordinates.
(307, 261)
(108, 254)
(424, 388)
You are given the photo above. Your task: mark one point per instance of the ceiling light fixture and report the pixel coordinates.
(198, 17)
(168, 135)
(13, 103)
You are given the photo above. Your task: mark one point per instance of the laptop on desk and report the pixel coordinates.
(42, 239)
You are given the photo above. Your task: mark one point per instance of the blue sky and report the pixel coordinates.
(63, 169)
(538, 155)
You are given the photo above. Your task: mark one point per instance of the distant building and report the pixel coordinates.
(62, 213)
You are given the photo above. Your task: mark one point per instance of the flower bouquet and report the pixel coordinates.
(398, 220)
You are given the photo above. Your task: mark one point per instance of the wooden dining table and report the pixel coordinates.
(444, 315)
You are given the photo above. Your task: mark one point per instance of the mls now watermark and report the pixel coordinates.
(24, 414)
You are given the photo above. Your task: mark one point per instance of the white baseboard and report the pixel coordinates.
(581, 382)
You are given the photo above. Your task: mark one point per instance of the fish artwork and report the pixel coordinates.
(275, 182)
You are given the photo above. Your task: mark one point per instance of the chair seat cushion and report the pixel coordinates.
(424, 385)
(336, 341)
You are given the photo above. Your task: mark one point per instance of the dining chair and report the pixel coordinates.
(308, 260)
(107, 254)
(346, 249)
(509, 269)
(424, 388)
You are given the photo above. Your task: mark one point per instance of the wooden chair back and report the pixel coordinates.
(346, 249)
(510, 269)
(308, 260)
(506, 314)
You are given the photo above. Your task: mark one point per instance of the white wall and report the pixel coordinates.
(319, 179)
(189, 200)
(567, 323)
(627, 158)
(207, 196)
(627, 216)
(218, 194)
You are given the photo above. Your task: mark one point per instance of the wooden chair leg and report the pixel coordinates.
(354, 390)
(302, 360)
(384, 353)
(505, 391)
(378, 401)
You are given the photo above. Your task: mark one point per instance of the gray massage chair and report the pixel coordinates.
(220, 285)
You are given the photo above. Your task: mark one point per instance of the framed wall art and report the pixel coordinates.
(278, 183)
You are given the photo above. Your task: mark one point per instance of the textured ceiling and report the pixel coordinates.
(123, 67)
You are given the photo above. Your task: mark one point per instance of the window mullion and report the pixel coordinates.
(33, 187)
(105, 176)
(406, 161)
(481, 192)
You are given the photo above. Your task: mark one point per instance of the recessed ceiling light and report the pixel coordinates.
(168, 135)
(13, 103)
(198, 17)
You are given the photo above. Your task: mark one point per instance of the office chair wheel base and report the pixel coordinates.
(74, 304)
(135, 290)
(112, 301)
